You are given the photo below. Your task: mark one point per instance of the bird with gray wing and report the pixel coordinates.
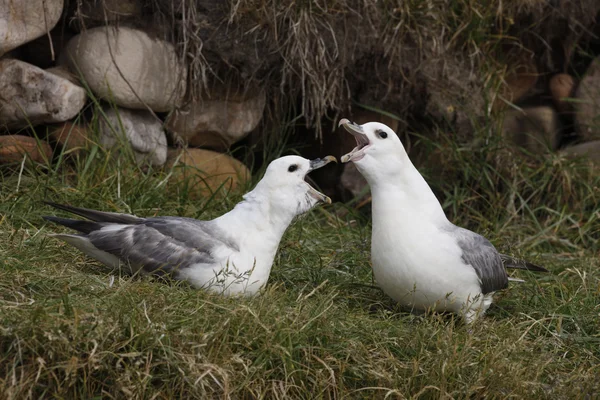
(421, 259)
(231, 254)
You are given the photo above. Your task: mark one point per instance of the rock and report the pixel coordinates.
(589, 150)
(70, 136)
(535, 129)
(353, 181)
(517, 83)
(217, 124)
(562, 88)
(23, 21)
(207, 171)
(587, 106)
(64, 73)
(30, 95)
(14, 147)
(145, 72)
(140, 129)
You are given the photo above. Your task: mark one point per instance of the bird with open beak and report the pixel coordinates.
(419, 258)
(232, 254)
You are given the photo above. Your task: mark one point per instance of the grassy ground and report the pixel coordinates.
(321, 329)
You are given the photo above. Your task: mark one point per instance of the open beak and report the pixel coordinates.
(362, 141)
(321, 162)
(316, 164)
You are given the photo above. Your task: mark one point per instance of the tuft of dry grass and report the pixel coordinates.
(440, 58)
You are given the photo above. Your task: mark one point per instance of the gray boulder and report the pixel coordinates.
(128, 67)
(138, 129)
(30, 95)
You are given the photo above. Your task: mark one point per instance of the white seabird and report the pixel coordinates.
(419, 258)
(231, 254)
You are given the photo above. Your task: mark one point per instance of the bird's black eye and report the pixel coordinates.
(381, 134)
(292, 168)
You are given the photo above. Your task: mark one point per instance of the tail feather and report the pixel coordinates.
(98, 216)
(78, 225)
(84, 245)
(511, 262)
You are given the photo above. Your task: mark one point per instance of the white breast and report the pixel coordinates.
(417, 264)
(236, 272)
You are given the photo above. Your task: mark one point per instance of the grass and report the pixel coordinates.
(71, 329)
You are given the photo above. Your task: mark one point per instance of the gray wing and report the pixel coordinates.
(480, 254)
(511, 262)
(98, 216)
(201, 235)
(163, 245)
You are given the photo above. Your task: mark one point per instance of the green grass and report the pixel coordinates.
(321, 329)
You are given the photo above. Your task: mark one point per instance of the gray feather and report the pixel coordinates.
(201, 235)
(510, 279)
(76, 224)
(144, 247)
(480, 254)
(511, 262)
(159, 245)
(98, 216)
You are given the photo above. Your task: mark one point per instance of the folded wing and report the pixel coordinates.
(160, 245)
(482, 256)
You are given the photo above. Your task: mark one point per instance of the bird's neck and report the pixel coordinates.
(406, 192)
(256, 215)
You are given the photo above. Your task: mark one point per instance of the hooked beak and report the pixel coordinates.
(321, 162)
(316, 164)
(362, 141)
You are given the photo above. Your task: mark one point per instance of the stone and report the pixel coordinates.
(217, 124)
(140, 129)
(14, 147)
(64, 73)
(516, 85)
(353, 181)
(535, 129)
(128, 67)
(562, 87)
(587, 150)
(207, 172)
(30, 95)
(587, 106)
(73, 138)
(23, 21)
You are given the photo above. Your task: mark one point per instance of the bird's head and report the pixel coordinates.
(378, 148)
(285, 182)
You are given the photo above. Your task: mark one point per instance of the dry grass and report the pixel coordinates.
(443, 59)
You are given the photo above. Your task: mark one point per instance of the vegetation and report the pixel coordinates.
(71, 329)
(415, 58)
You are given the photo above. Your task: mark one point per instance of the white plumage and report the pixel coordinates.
(231, 254)
(421, 259)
